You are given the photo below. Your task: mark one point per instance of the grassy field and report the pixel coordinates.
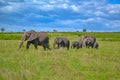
(61, 64)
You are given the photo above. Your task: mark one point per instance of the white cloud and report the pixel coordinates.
(2, 1)
(9, 8)
(51, 5)
(99, 13)
(34, 15)
(90, 20)
(113, 8)
(76, 21)
(79, 12)
(114, 24)
(65, 6)
(47, 7)
(75, 8)
(12, 7)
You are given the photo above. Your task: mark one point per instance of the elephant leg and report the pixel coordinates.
(47, 46)
(86, 46)
(35, 43)
(58, 46)
(67, 47)
(28, 44)
(44, 47)
(77, 47)
(35, 46)
(92, 46)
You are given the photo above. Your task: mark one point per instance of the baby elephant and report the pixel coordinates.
(96, 45)
(61, 42)
(76, 44)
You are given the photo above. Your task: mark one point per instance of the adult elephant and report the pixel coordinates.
(35, 38)
(61, 42)
(88, 41)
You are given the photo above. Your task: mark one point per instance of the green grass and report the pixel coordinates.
(62, 64)
(103, 36)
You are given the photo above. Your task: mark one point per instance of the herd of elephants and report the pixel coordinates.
(42, 39)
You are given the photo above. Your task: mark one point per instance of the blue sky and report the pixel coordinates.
(62, 15)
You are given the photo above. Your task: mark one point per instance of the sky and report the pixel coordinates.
(60, 15)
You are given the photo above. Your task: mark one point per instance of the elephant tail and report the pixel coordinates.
(68, 45)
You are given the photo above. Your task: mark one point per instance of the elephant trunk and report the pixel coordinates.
(56, 45)
(21, 43)
(22, 40)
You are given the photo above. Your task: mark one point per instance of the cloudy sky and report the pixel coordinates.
(62, 15)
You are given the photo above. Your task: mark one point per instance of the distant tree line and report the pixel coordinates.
(54, 30)
(2, 29)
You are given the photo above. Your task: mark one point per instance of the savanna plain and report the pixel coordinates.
(60, 64)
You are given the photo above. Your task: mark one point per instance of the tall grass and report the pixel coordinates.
(61, 64)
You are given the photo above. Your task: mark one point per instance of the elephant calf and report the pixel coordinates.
(76, 44)
(61, 42)
(96, 45)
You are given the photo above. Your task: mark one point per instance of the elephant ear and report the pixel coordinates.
(33, 35)
(60, 40)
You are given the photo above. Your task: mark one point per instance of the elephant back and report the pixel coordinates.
(42, 36)
(75, 43)
(92, 38)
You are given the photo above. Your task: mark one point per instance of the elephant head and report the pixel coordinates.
(29, 36)
(59, 42)
(75, 44)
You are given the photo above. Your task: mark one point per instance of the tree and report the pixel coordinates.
(77, 31)
(2, 29)
(54, 30)
(84, 30)
(24, 30)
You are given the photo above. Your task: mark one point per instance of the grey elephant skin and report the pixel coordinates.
(96, 45)
(76, 44)
(88, 41)
(35, 38)
(61, 42)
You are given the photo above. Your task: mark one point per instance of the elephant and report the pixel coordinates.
(96, 45)
(76, 44)
(88, 41)
(61, 42)
(82, 40)
(35, 38)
